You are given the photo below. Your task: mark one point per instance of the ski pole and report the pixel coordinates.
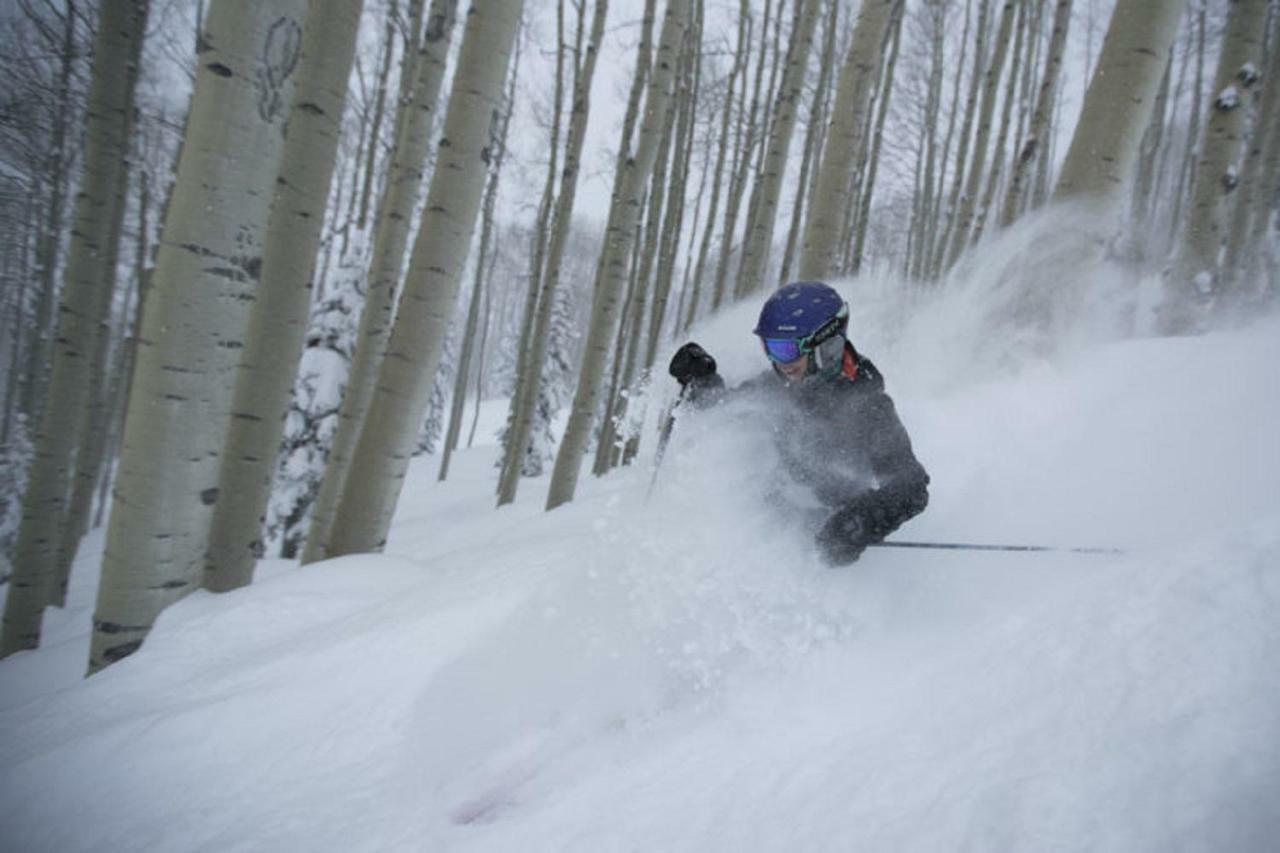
(664, 436)
(967, 546)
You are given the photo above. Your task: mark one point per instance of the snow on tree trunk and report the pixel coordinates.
(1119, 101)
(206, 273)
(612, 271)
(120, 30)
(1195, 275)
(756, 244)
(391, 236)
(844, 142)
(403, 387)
(278, 323)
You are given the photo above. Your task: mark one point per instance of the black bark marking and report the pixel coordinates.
(278, 60)
(219, 69)
(104, 627)
(209, 497)
(170, 585)
(120, 652)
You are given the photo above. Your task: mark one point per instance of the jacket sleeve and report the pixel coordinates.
(902, 484)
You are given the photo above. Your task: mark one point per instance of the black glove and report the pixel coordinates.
(844, 536)
(691, 362)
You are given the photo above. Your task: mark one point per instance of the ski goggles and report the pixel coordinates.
(787, 350)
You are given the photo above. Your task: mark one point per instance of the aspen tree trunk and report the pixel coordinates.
(812, 142)
(94, 416)
(619, 235)
(391, 236)
(515, 455)
(1258, 186)
(1029, 62)
(633, 330)
(468, 347)
(1119, 101)
(932, 231)
(976, 169)
(1167, 153)
(746, 134)
(676, 192)
(1195, 277)
(278, 318)
(605, 441)
(46, 249)
(1035, 143)
(996, 171)
(940, 254)
(121, 26)
(410, 52)
(522, 420)
(717, 172)
(403, 389)
(759, 152)
(759, 238)
(481, 347)
(1187, 169)
(1144, 184)
(379, 110)
(848, 118)
(206, 272)
(925, 224)
(863, 212)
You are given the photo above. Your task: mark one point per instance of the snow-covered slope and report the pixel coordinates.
(679, 673)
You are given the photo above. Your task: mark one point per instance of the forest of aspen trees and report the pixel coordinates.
(258, 255)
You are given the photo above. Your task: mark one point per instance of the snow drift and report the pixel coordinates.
(679, 672)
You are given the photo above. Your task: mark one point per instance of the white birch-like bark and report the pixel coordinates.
(1258, 186)
(206, 271)
(391, 236)
(678, 186)
(759, 239)
(976, 169)
(1035, 142)
(1195, 277)
(1119, 101)
(612, 272)
(278, 321)
(1193, 131)
(812, 141)
(403, 389)
(515, 454)
(561, 220)
(862, 214)
(739, 67)
(468, 345)
(44, 508)
(938, 260)
(844, 139)
(744, 146)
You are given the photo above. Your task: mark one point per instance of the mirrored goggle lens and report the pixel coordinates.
(782, 350)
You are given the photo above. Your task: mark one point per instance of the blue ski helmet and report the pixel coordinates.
(799, 319)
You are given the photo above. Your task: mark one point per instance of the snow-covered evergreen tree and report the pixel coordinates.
(313, 414)
(437, 409)
(15, 461)
(555, 387)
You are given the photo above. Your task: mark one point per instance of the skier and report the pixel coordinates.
(838, 432)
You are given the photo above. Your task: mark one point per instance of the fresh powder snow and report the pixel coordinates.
(673, 669)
